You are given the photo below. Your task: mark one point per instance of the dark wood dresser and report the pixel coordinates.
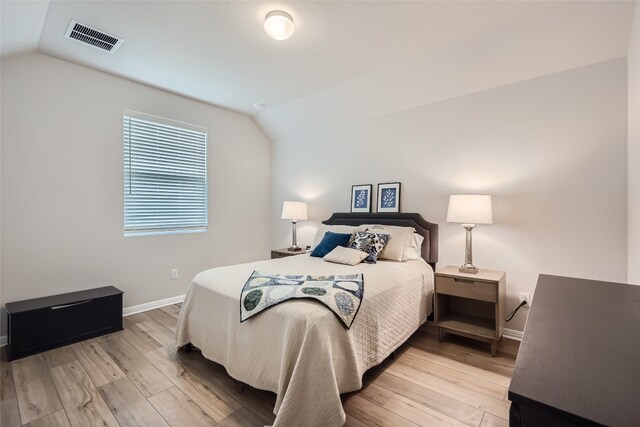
(579, 361)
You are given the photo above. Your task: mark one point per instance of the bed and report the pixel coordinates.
(298, 349)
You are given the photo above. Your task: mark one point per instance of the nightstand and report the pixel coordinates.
(471, 305)
(284, 252)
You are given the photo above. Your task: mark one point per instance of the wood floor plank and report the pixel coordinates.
(215, 402)
(138, 338)
(172, 310)
(9, 413)
(455, 344)
(57, 419)
(407, 408)
(37, 395)
(139, 317)
(243, 417)
(129, 406)
(493, 421)
(353, 422)
(146, 377)
(372, 414)
(7, 385)
(82, 403)
(490, 364)
(463, 367)
(99, 365)
(440, 348)
(451, 407)
(476, 399)
(59, 356)
(159, 333)
(506, 358)
(164, 319)
(260, 402)
(458, 377)
(180, 411)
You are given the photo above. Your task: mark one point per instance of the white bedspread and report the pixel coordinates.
(299, 349)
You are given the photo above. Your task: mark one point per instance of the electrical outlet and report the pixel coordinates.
(174, 273)
(524, 296)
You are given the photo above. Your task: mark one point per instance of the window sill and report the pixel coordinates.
(163, 232)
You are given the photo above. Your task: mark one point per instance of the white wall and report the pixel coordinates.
(62, 186)
(633, 60)
(551, 150)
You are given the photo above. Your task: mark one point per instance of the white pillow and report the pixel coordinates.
(350, 229)
(348, 256)
(399, 241)
(414, 251)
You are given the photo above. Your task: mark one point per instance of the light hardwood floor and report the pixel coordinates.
(137, 378)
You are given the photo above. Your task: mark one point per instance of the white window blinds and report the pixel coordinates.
(165, 176)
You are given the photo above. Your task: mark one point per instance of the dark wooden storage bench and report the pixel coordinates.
(41, 324)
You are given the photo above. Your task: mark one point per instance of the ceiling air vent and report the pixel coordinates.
(92, 37)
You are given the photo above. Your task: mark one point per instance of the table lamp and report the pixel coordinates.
(294, 211)
(469, 210)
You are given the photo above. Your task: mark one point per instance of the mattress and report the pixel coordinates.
(299, 349)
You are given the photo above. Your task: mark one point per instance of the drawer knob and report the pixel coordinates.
(463, 280)
(58, 307)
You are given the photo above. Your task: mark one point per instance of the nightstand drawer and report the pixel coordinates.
(467, 288)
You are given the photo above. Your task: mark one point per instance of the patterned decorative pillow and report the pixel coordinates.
(371, 243)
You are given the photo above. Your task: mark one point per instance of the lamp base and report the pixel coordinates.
(468, 266)
(294, 239)
(470, 269)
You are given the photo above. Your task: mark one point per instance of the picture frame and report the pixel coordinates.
(389, 197)
(361, 198)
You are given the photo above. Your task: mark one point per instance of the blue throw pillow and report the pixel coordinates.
(329, 242)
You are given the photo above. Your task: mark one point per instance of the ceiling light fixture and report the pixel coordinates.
(278, 24)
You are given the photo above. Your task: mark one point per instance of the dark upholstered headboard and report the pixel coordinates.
(426, 229)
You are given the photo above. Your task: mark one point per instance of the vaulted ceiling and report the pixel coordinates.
(345, 59)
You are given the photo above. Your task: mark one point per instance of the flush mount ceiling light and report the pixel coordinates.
(278, 24)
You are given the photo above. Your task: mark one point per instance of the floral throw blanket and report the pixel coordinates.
(342, 294)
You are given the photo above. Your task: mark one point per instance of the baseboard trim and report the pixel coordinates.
(512, 334)
(134, 309)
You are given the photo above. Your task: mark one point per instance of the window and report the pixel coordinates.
(165, 176)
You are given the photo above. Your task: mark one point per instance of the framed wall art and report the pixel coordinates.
(389, 197)
(361, 198)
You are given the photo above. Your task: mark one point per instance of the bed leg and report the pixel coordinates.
(187, 348)
(392, 356)
(240, 387)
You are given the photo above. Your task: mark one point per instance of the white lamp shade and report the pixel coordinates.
(279, 25)
(470, 209)
(294, 210)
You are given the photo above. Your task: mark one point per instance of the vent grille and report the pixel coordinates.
(92, 37)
